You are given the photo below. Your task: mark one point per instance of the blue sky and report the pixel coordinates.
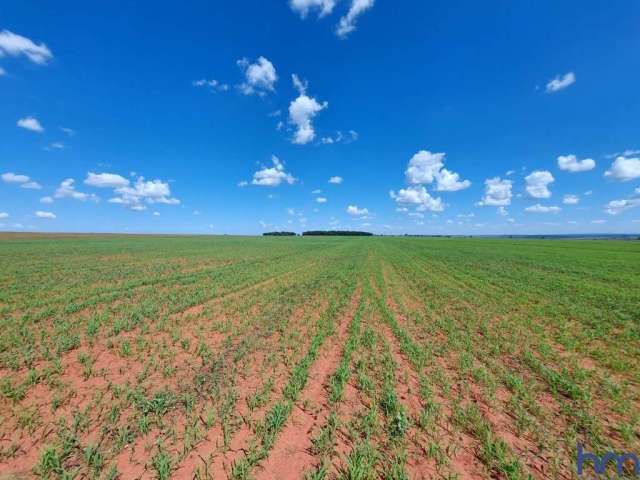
(232, 117)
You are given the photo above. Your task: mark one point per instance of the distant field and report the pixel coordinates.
(280, 358)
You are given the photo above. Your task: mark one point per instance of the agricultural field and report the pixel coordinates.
(319, 358)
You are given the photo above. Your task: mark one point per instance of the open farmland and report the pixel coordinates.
(286, 358)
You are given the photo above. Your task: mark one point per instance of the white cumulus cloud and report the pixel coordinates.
(213, 85)
(357, 212)
(417, 195)
(538, 184)
(450, 182)
(11, 177)
(537, 208)
(30, 123)
(571, 199)
(273, 176)
(133, 196)
(336, 180)
(624, 169)
(497, 193)
(67, 190)
(302, 111)
(426, 167)
(48, 215)
(570, 163)
(16, 45)
(321, 200)
(347, 23)
(106, 180)
(303, 7)
(616, 207)
(340, 137)
(22, 180)
(260, 77)
(561, 82)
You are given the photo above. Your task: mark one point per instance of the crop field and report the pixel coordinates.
(319, 358)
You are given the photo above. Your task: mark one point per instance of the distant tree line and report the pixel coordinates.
(279, 234)
(339, 233)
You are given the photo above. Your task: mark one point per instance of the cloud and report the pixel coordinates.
(48, 215)
(10, 177)
(15, 45)
(321, 200)
(570, 163)
(624, 169)
(347, 23)
(302, 111)
(350, 137)
(149, 191)
(357, 212)
(213, 85)
(70, 132)
(260, 77)
(136, 195)
(502, 211)
(55, 146)
(426, 167)
(67, 190)
(273, 176)
(497, 193)
(30, 123)
(561, 82)
(156, 214)
(627, 153)
(336, 180)
(303, 7)
(418, 195)
(46, 199)
(4, 215)
(243, 183)
(616, 207)
(106, 180)
(537, 208)
(538, 182)
(3, 72)
(571, 199)
(450, 182)
(22, 180)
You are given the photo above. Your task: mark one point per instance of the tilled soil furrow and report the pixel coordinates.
(291, 455)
